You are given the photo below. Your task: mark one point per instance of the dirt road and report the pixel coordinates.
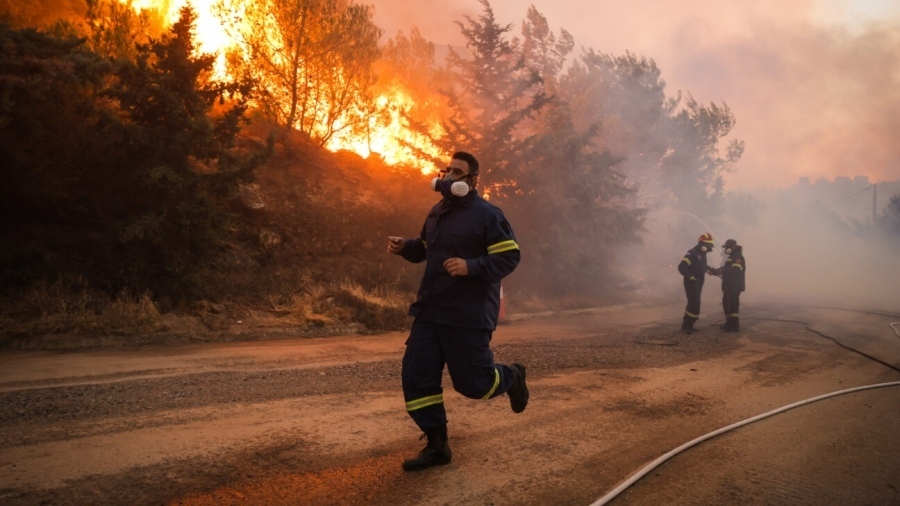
(321, 421)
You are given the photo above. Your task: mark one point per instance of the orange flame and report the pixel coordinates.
(389, 139)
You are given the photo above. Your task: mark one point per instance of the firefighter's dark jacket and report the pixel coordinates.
(733, 271)
(693, 264)
(475, 230)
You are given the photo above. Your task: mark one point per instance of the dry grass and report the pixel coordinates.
(70, 306)
(378, 309)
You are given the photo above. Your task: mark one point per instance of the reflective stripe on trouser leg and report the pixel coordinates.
(424, 402)
(731, 302)
(470, 362)
(423, 367)
(693, 299)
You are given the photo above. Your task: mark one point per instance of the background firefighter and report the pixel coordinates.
(732, 273)
(693, 268)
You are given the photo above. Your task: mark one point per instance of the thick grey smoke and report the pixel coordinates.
(814, 84)
(815, 89)
(806, 250)
(810, 244)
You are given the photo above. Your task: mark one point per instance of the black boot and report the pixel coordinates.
(518, 392)
(436, 451)
(687, 325)
(733, 324)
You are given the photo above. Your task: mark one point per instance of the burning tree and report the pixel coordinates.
(510, 107)
(312, 58)
(180, 152)
(407, 84)
(572, 153)
(131, 164)
(115, 28)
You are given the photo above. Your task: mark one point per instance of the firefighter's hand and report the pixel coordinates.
(456, 266)
(395, 244)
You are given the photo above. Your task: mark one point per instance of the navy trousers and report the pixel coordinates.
(731, 303)
(469, 359)
(692, 290)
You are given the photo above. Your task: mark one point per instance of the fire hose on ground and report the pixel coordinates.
(656, 463)
(653, 465)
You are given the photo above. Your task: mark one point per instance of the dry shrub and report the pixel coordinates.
(71, 306)
(378, 309)
(130, 315)
(310, 307)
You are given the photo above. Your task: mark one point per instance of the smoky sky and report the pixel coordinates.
(814, 84)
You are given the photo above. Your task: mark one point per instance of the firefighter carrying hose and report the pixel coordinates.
(732, 273)
(693, 268)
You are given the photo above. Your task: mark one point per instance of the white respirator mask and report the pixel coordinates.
(449, 188)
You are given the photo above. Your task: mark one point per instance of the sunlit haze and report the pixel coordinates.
(814, 84)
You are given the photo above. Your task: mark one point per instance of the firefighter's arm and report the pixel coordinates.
(413, 250)
(502, 252)
(495, 266)
(684, 267)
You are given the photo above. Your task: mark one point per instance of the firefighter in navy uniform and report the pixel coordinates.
(732, 273)
(693, 269)
(468, 247)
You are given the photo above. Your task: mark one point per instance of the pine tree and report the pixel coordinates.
(491, 92)
(313, 59)
(170, 183)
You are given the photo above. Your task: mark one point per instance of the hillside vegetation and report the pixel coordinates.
(147, 196)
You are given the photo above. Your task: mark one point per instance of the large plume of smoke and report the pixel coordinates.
(814, 84)
(799, 251)
(802, 253)
(810, 100)
(815, 88)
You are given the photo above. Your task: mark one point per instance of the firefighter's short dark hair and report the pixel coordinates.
(469, 159)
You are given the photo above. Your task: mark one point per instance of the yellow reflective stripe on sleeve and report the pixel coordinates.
(502, 246)
(738, 266)
(424, 243)
(424, 402)
(686, 259)
(496, 384)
